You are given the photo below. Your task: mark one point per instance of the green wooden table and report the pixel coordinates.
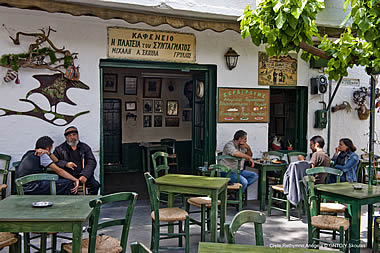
(67, 214)
(208, 247)
(215, 187)
(345, 193)
(263, 168)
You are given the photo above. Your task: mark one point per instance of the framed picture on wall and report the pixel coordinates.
(152, 87)
(148, 106)
(130, 106)
(172, 108)
(171, 122)
(157, 121)
(130, 85)
(158, 106)
(147, 120)
(110, 82)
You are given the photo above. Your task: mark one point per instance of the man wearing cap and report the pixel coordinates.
(77, 158)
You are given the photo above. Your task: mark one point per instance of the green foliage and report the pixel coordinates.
(283, 24)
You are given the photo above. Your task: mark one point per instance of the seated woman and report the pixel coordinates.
(346, 159)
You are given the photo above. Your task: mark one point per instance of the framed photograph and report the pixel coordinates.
(171, 122)
(147, 120)
(148, 106)
(130, 85)
(172, 108)
(110, 82)
(187, 115)
(130, 106)
(152, 87)
(158, 106)
(157, 121)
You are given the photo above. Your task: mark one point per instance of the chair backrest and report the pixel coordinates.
(160, 157)
(246, 216)
(237, 159)
(170, 143)
(216, 169)
(36, 177)
(95, 225)
(4, 171)
(293, 156)
(277, 154)
(153, 196)
(328, 170)
(310, 200)
(138, 247)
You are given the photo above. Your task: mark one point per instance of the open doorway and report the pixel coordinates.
(288, 118)
(144, 103)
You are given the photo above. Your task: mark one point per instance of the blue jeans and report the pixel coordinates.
(63, 187)
(246, 178)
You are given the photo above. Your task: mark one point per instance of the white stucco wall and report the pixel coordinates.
(88, 37)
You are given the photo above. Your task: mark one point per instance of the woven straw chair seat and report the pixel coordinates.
(3, 186)
(172, 155)
(198, 201)
(329, 222)
(171, 214)
(235, 186)
(274, 178)
(279, 187)
(332, 208)
(104, 244)
(7, 239)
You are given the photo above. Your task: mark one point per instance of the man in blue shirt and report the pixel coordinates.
(35, 161)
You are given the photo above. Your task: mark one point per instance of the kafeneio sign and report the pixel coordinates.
(150, 45)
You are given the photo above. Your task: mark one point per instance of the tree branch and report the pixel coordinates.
(314, 50)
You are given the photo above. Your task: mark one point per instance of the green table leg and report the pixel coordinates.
(223, 207)
(77, 237)
(370, 220)
(263, 187)
(144, 160)
(355, 228)
(214, 215)
(170, 204)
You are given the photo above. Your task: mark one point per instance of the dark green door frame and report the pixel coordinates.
(210, 132)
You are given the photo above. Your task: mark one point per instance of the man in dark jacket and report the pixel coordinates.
(34, 162)
(77, 158)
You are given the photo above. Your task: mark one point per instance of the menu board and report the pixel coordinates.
(243, 105)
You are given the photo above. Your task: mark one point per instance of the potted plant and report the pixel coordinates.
(290, 146)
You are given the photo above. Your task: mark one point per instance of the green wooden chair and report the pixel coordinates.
(138, 247)
(235, 187)
(204, 205)
(272, 177)
(316, 223)
(160, 163)
(376, 234)
(293, 156)
(4, 171)
(11, 240)
(246, 216)
(173, 215)
(172, 155)
(281, 199)
(104, 243)
(43, 236)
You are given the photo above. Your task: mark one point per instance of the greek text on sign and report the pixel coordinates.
(150, 45)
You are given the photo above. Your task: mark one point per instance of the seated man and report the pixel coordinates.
(319, 158)
(77, 158)
(34, 161)
(238, 147)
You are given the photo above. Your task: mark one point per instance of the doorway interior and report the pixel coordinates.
(288, 118)
(146, 102)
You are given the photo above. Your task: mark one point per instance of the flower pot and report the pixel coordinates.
(290, 148)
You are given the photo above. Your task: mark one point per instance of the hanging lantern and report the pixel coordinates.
(231, 58)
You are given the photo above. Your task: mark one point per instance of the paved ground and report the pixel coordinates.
(278, 231)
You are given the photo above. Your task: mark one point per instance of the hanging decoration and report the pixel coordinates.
(360, 98)
(42, 54)
(11, 75)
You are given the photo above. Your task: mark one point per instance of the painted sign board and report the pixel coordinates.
(243, 105)
(124, 43)
(277, 71)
